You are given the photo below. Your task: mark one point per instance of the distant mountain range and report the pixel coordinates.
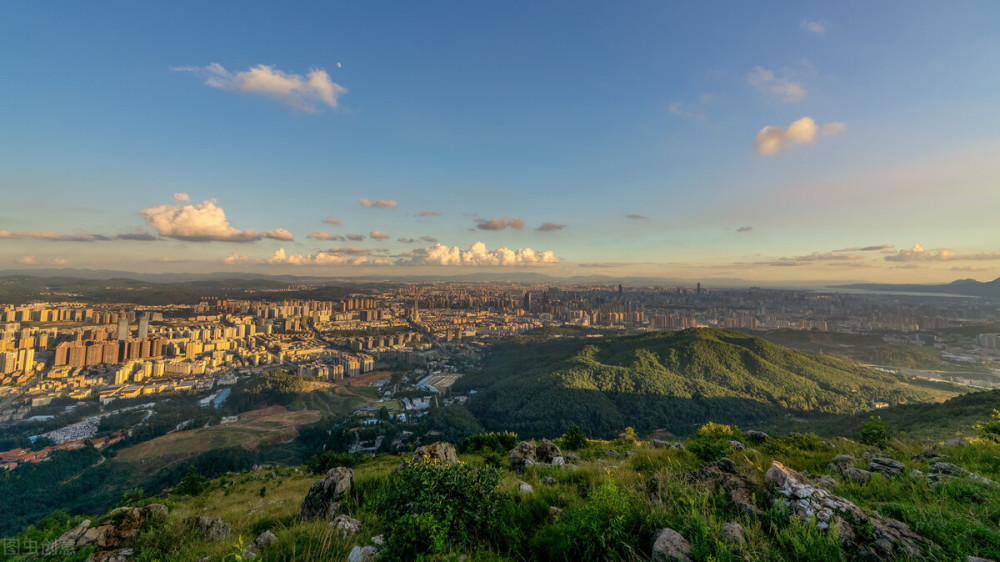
(968, 287)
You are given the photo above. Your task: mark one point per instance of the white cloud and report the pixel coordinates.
(333, 256)
(380, 204)
(478, 254)
(780, 87)
(813, 26)
(333, 221)
(195, 223)
(304, 93)
(235, 258)
(278, 234)
(771, 139)
(376, 235)
(182, 197)
(918, 253)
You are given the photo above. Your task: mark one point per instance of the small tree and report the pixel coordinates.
(192, 484)
(574, 438)
(874, 432)
(629, 435)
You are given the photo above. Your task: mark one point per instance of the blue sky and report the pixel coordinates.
(574, 114)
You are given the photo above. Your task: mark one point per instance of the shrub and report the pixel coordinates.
(990, 429)
(575, 438)
(604, 528)
(430, 506)
(500, 442)
(321, 463)
(713, 441)
(874, 432)
(192, 484)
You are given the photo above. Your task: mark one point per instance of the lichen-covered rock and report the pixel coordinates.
(856, 475)
(214, 529)
(363, 554)
(441, 451)
(69, 538)
(743, 492)
(522, 455)
(547, 452)
(889, 467)
(321, 500)
(757, 436)
(267, 538)
(346, 525)
(738, 445)
(524, 487)
(528, 453)
(734, 532)
(826, 482)
(668, 544)
(868, 536)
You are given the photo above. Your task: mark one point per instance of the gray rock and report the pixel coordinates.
(757, 436)
(734, 532)
(737, 445)
(954, 442)
(548, 480)
(856, 475)
(553, 510)
(629, 454)
(885, 465)
(69, 538)
(524, 487)
(842, 460)
(558, 461)
(948, 468)
(977, 559)
(522, 455)
(363, 554)
(915, 472)
(378, 540)
(826, 482)
(346, 525)
(611, 453)
(441, 451)
(547, 452)
(668, 544)
(214, 529)
(266, 538)
(572, 457)
(321, 500)
(882, 538)
(659, 443)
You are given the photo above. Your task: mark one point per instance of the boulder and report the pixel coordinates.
(947, 468)
(866, 536)
(668, 544)
(267, 538)
(611, 453)
(214, 529)
(743, 491)
(856, 475)
(756, 436)
(528, 453)
(69, 538)
(346, 525)
(441, 451)
(571, 457)
(548, 480)
(734, 532)
(363, 554)
(378, 540)
(321, 500)
(826, 482)
(522, 455)
(547, 452)
(889, 467)
(524, 487)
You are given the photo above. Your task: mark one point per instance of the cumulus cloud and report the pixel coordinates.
(636, 217)
(333, 221)
(478, 254)
(550, 226)
(772, 139)
(918, 253)
(744, 229)
(325, 236)
(428, 214)
(278, 234)
(235, 258)
(500, 223)
(304, 93)
(781, 88)
(376, 235)
(182, 197)
(195, 223)
(356, 237)
(429, 239)
(813, 26)
(379, 204)
(333, 256)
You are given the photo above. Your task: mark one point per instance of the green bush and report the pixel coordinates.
(575, 438)
(321, 463)
(430, 506)
(500, 441)
(990, 429)
(874, 432)
(713, 441)
(604, 528)
(192, 484)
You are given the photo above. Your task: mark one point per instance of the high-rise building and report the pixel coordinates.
(122, 329)
(527, 301)
(144, 326)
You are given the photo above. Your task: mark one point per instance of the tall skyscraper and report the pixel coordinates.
(144, 326)
(122, 328)
(527, 301)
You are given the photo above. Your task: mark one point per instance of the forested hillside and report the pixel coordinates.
(674, 381)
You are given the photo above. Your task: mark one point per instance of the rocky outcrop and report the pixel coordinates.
(441, 451)
(756, 437)
(887, 466)
(856, 475)
(528, 453)
(214, 529)
(321, 500)
(661, 444)
(113, 538)
(668, 544)
(868, 536)
(743, 492)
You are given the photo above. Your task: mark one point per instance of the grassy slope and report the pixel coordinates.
(961, 517)
(675, 380)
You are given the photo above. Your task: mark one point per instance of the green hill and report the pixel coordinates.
(670, 380)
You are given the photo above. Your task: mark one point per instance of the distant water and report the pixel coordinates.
(221, 397)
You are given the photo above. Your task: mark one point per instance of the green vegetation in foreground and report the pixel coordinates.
(607, 507)
(669, 380)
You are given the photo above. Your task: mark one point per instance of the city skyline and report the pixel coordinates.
(768, 143)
